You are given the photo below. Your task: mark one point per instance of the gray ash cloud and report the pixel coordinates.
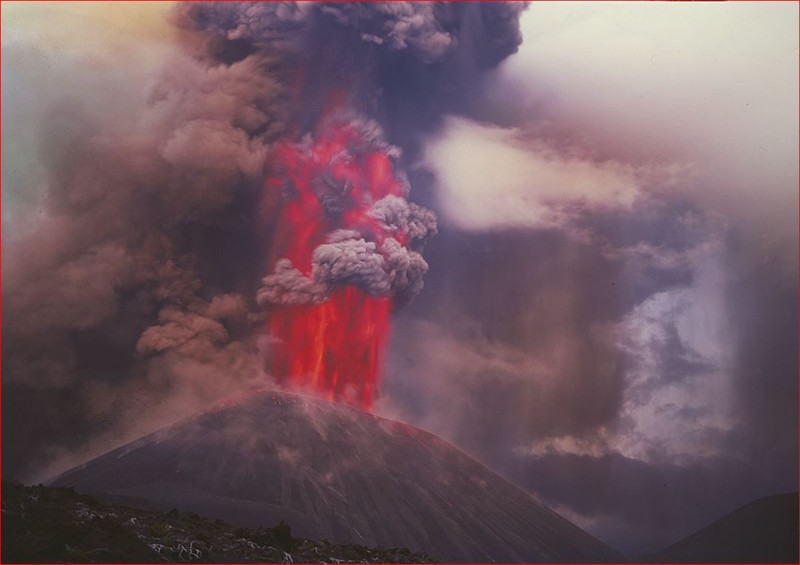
(397, 214)
(389, 269)
(113, 292)
(360, 253)
(428, 31)
(405, 63)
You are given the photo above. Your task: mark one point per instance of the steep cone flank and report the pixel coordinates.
(333, 471)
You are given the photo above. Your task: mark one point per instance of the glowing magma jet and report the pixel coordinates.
(345, 249)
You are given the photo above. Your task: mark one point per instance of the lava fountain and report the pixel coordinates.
(345, 252)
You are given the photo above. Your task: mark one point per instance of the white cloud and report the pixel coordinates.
(494, 177)
(715, 84)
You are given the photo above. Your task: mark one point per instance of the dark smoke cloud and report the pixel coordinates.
(353, 255)
(429, 31)
(121, 295)
(347, 258)
(396, 214)
(287, 285)
(405, 63)
(130, 295)
(351, 261)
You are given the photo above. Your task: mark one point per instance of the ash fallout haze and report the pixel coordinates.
(563, 237)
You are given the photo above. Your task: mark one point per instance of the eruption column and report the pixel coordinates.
(344, 253)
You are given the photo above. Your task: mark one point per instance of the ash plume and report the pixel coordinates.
(428, 31)
(347, 259)
(396, 214)
(132, 296)
(405, 63)
(287, 285)
(365, 252)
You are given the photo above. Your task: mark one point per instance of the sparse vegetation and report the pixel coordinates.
(58, 525)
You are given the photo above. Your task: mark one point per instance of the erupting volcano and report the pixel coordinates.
(345, 251)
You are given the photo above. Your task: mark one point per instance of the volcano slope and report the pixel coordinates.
(334, 472)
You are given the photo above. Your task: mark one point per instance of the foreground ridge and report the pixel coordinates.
(57, 524)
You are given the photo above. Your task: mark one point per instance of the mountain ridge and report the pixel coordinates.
(764, 530)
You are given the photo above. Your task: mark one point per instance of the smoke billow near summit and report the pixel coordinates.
(243, 217)
(345, 243)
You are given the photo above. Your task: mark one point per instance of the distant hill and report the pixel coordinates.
(333, 472)
(762, 531)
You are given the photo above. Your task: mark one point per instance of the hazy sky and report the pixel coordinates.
(652, 147)
(610, 315)
(707, 87)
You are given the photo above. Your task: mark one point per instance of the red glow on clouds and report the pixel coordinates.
(333, 348)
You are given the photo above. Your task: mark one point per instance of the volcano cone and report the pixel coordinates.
(335, 472)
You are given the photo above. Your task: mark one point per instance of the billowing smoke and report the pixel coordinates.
(129, 302)
(133, 288)
(346, 243)
(429, 31)
(336, 200)
(402, 63)
(350, 257)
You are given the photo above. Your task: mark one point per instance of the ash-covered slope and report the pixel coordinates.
(337, 473)
(762, 531)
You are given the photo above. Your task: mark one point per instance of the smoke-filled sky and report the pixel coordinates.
(609, 317)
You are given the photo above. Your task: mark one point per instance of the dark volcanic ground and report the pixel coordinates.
(333, 472)
(51, 524)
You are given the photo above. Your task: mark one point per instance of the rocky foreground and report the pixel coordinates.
(56, 524)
